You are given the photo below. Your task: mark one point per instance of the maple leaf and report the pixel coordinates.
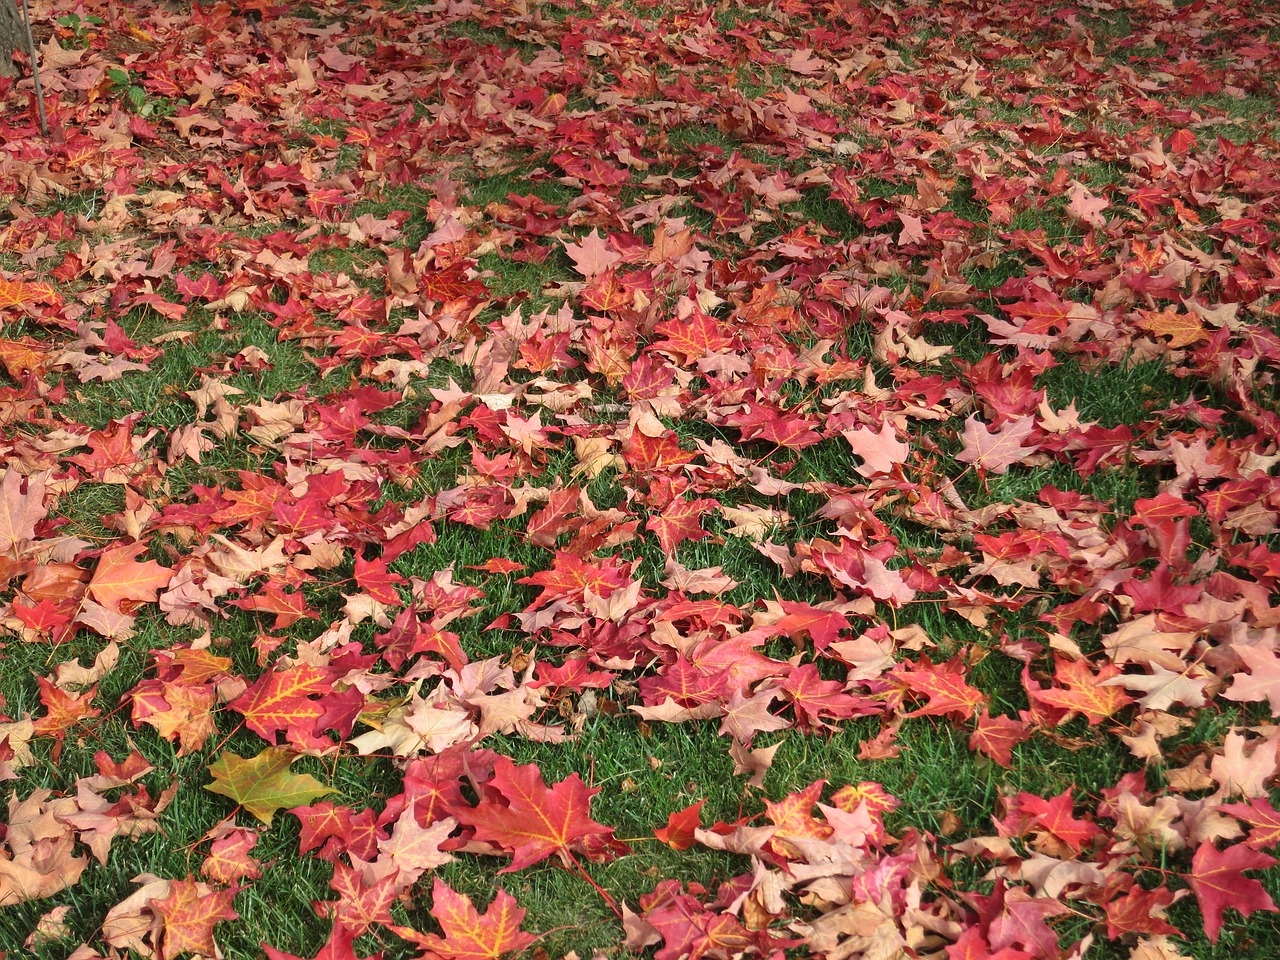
(1085, 208)
(263, 784)
(678, 522)
(63, 710)
(14, 293)
(1182, 329)
(690, 339)
(1082, 691)
(363, 900)
(997, 736)
(1055, 816)
(880, 450)
(593, 255)
(995, 451)
(1263, 679)
(678, 834)
(337, 947)
(415, 849)
(189, 916)
(945, 687)
(1261, 816)
(1218, 881)
(745, 716)
(823, 626)
(120, 579)
(1140, 911)
(279, 701)
(523, 816)
(469, 934)
(21, 508)
(229, 858)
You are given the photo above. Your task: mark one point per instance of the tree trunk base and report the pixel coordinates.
(13, 37)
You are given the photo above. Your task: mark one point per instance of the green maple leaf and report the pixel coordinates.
(263, 784)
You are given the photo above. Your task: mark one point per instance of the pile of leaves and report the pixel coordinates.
(797, 368)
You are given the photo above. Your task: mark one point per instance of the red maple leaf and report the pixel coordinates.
(1080, 691)
(823, 626)
(1218, 881)
(691, 339)
(283, 700)
(373, 577)
(521, 815)
(997, 736)
(289, 608)
(362, 901)
(678, 522)
(1140, 911)
(1055, 815)
(230, 858)
(678, 833)
(1261, 816)
(337, 947)
(943, 685)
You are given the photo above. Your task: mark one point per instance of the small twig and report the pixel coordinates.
(35, 70)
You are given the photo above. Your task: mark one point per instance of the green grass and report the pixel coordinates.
(644, 771)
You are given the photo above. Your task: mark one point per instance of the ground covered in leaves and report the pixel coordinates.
(739, 478)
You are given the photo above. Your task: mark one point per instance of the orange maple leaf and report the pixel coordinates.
(1182, 329)
(189, 917)
(1082, 691)
(16, 292)
(468, 934)
(64, 710)
(120, 578)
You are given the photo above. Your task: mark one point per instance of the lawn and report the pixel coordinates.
(642, 479)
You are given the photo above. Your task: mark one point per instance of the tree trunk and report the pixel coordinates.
(13, 36)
